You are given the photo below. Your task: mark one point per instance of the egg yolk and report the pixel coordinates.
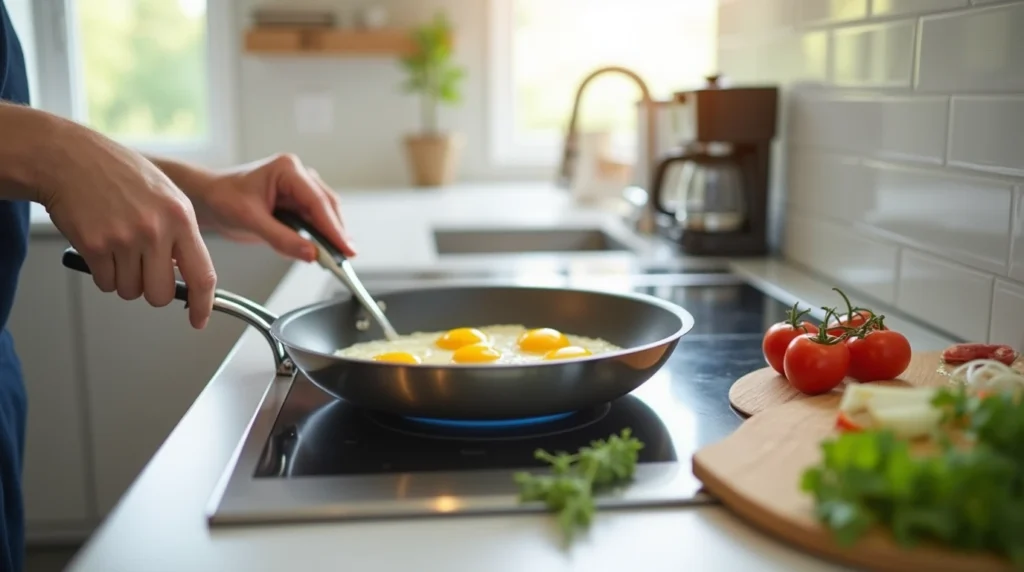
(568, 352)
(459, 337)
(542, 340)
(476, 353)
(397, 357)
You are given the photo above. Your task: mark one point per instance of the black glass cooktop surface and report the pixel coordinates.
(682, 408)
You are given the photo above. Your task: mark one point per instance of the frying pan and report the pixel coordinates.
(306, 338)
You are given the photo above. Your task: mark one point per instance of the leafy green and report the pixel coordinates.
(966, 497)
(430, 70)
(569, 489)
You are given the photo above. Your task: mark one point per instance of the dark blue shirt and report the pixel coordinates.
(14, 217)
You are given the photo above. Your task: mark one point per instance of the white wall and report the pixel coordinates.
(901, 170)
(371, 115)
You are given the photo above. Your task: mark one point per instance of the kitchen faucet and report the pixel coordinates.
(566, 171)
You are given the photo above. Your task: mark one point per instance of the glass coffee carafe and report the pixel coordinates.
(702, 189)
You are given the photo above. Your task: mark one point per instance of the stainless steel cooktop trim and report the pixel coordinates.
(241, 498)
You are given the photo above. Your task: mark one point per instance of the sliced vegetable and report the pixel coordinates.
(986, 376)
(907, 411)
(779, 335)
(878, 354)
(963, 353)
(816, 363)
(908, 420)
(857, 397)
(846, 422)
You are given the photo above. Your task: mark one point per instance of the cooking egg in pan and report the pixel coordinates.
(498, 344)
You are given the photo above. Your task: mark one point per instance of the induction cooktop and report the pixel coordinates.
(308, 456)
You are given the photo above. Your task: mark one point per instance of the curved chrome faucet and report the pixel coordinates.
(566, 170)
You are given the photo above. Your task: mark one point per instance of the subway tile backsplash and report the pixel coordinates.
(988, 133)
(911, 128)
(1007, 314)
(903, 135)
(880, 55)
(976, 50)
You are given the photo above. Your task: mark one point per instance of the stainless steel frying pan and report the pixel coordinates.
(306, 338)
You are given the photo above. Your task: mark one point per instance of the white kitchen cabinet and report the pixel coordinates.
(145, 366)
(46, 333)
(109, 379)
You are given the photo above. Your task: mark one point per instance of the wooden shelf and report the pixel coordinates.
(328, 42)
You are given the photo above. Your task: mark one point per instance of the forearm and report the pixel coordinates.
(29, 149)
(193, 180)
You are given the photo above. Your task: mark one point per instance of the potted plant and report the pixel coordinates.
(432, 75)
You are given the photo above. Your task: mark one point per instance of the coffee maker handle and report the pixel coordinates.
(659, 180)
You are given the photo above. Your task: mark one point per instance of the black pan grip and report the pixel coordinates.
(73, 260)
(297, 223)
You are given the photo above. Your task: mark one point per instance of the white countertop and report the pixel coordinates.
(160, 523)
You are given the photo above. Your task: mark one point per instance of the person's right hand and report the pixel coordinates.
(129, 222)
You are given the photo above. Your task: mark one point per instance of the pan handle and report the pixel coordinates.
(223, 301)
(332, 260)
(298, 224)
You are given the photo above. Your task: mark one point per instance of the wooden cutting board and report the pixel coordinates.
(756, 473)
(764, 388)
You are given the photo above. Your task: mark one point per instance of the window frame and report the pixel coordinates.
(506, 148)
(60, 91)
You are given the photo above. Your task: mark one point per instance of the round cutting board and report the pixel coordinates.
(764, 388)
(756, 473)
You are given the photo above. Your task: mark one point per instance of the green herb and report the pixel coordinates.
(969, 498)
(569, 490)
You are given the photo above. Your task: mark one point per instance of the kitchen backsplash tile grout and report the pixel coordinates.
(889, 162)
(949, 132)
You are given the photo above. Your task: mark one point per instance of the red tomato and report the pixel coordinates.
(777, 339)
(813, 366)
(879, 355)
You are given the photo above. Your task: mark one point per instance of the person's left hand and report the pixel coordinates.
(239, 204)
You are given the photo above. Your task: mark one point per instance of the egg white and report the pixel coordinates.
(501, 337)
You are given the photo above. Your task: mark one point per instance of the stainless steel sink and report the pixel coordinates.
(483, 241)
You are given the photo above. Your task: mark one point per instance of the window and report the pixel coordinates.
(148, 73)
(542, 49)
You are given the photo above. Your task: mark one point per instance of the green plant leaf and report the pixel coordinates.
(430, 71)
(569, 491)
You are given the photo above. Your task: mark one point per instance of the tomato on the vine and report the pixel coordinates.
(855, 320)
(878, 355)
(778, 336)
(816, 363)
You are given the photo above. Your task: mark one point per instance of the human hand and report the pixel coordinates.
(240, 205)
(128, 221)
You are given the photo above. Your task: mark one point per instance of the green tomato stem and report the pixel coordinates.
(794, 316)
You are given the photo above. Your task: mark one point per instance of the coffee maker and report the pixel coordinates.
(712, 192)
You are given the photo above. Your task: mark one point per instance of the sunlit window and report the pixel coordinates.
(142, 69)
(543, 49)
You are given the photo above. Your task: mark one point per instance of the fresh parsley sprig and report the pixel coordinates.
(966, 497)
(575, 478)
